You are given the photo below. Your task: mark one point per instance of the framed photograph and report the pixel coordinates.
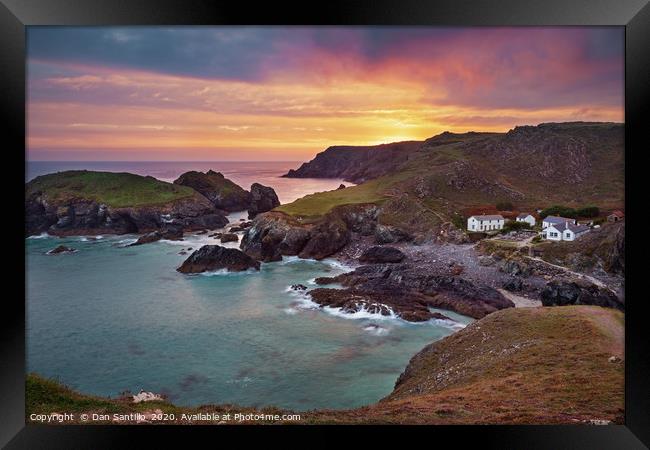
(387, 217)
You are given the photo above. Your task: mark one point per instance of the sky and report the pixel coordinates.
(286, 93)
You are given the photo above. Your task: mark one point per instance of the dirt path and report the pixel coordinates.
(610, 325)
(519, 301)
(595, 281)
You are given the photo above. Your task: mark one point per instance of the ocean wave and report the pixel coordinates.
(338, 264)
(221, 272)
(43, 235)
(290, 311)
(291, 259)
(361, 313)
(376, 330)
(448, 323)
(125, 242)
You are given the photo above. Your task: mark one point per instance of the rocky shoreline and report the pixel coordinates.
(402, 268)
(94, 203)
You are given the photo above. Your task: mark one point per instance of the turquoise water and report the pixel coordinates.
(106, 319)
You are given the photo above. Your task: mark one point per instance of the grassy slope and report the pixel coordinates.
(113, 189)
(524, 365)
(432, 164)
(317, 204)
(530, 365)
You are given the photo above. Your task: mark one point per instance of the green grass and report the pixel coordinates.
(45, 395)
(318, 204)
(117, 190)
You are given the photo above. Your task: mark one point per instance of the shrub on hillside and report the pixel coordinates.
(515, 226)
(505, 206)
(588, 211)
(558, 210)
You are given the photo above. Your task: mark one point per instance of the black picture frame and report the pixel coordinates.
(634, 15)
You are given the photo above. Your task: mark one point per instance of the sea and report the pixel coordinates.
(109, 318)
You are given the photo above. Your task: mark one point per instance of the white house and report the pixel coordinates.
(485, 223)
(564, 232)
(555, 220)
(528, 218)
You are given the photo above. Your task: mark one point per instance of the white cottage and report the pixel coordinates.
(528, 218)
(564, 232)
(555, 220)
(485, 223)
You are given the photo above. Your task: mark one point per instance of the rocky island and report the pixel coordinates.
(91, 203)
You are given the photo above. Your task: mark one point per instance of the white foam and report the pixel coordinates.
(290, 311)
(43, 235)
(305, 302)
(361, 313)
(126, 242)
(448, 323)
(376, 330)
(338, 264)
(221, 272)
(292, 259)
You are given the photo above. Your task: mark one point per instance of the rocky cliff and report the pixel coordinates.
(86, 202)
(356, 163)
(227, 195)
(575, 163)
(222, 192)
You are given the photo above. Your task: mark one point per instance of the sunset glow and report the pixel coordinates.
(228, 93)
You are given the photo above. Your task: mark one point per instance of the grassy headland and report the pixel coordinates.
(117, 190)
(575, 164)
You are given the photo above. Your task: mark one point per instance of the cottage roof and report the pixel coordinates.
(617, 213)
(557, 219)
(523, 215)
(489, 217)
(577, 229)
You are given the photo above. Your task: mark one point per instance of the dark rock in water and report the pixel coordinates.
(189, 248)
(235, 229)
(408, 306)
(579, 292)
(385, 234)
(326, 239)
(298, 287)
(229, 237)
(201, 232)
(263, 199)
(325, 280)
(419, 284)
(341, 186)
(273, 235)
(215, 235)
(513, 284)
(380, 254)
(220, 191)
(172, 231)
(215, 257)
(246, 224)
(61, 249)
(182, 252)
(147, 238)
